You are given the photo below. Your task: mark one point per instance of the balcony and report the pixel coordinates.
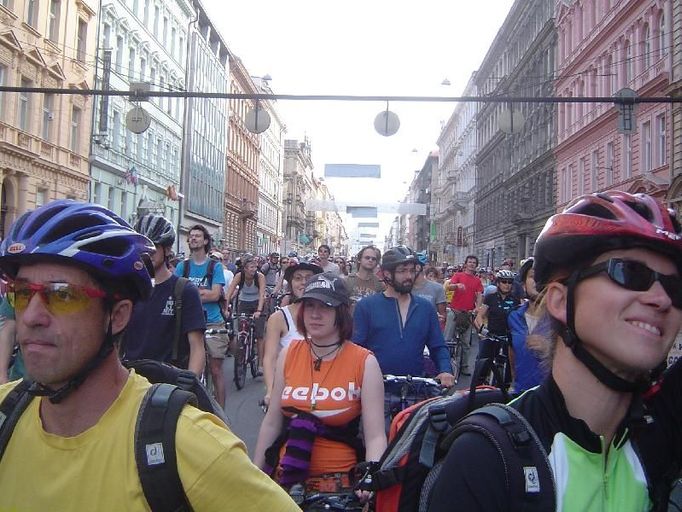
(248, 209)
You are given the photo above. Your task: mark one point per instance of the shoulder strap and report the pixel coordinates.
(177, 296)
(530, 481)
(185, 267)
(209, 273)
(155, 456)
(11, 409)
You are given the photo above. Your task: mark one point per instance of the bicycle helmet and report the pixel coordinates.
(89, 236)
(397, 255)
(505, 274)
(601, 222)
(85, 234)
(591, 225)
(422, 258)
(157, 228)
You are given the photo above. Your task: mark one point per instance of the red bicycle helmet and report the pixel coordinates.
(601, 222)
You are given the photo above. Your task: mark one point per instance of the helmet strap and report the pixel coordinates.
(577, 346)
(58, 395)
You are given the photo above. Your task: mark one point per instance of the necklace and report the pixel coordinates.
(316, 366)
(318, 361)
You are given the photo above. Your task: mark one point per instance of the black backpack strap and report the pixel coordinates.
(209, 273)
(177, 300)
(529, 477)
(11, 409)
(185, 267)
(155, 447)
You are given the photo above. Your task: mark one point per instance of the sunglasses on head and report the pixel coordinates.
(58, 298)
(636, 276)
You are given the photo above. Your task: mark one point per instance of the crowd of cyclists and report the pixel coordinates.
(584, 327)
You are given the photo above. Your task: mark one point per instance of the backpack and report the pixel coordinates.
(421, 435)
(222, 301)
(177, 306)
(157, 419)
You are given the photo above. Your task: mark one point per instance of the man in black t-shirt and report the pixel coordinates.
(494, 312)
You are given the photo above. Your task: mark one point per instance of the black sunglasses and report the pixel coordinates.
(636, 276)
(505, 281)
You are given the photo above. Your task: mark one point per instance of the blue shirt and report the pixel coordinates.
(378, 326)
(527, 370)
(197, 274)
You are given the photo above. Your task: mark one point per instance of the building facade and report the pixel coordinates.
(270, 177)
(514, 164)
(140, 41)
(603, 48)
(420, 191)
(675, 192)
(454, 184)
(205, 130)
(298, 186)
(44, 137)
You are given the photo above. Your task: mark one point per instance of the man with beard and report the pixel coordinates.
(396, 325)
(365, 282)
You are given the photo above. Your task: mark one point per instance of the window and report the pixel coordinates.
(110, 198)
(119, 54)
(124, 204)
(75, 129)
(156, 20)
(162, 87)
(136, 7)
(594, 167)
(131, 64)
(145, 15)
(41, 197)
(24, 106)
(165, 31)
(53, 23)
(661, 37)
(106, 36)
(143, 68)
(646, 146)
(181, 49)
(3, 78)
(609, 164)
(98, 192)
(32, 12)
(582, 176)
(628, 63)
(174, 35)
(645, 47)
(627, 155)
(661, 143)
(82, 39)
(48, 115)
(128, 143)
(116, 139)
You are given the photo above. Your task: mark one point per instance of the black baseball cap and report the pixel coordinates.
(328, 288)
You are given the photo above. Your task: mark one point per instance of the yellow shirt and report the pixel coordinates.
(96, 469)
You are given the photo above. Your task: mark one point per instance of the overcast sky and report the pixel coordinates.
(369, 47)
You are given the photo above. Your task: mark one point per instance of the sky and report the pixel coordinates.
(370, 47)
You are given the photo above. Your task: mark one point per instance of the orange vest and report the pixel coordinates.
(332, 394)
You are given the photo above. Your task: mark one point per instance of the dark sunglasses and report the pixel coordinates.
(636, 276)
(505, 281)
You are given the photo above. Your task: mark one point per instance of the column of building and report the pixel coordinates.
(44, 137)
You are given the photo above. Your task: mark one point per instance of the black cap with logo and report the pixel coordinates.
(328, 288)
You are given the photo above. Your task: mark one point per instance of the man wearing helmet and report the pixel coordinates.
(397, 325)
(608, 268)
(76, 269)
(151, 332)
(493, 313)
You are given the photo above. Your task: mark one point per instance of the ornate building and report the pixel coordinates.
(298, 186)
(270, 177)
(420, 191)
(604, 47)
(514, 165)
(139, 42)
(454, 184)
(243, 155)
(44, 137)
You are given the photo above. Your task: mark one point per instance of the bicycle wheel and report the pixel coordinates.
(240, 366)
(207, 380)
(456, 358)
(253, 356)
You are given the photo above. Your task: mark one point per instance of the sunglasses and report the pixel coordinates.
(59, 298)
(505, 281)
(636, 276)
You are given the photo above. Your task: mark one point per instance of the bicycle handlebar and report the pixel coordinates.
(397, 379)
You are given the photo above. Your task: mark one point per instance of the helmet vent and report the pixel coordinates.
(67, 228)
(114, 247)
(596, 210)
(642, 209)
